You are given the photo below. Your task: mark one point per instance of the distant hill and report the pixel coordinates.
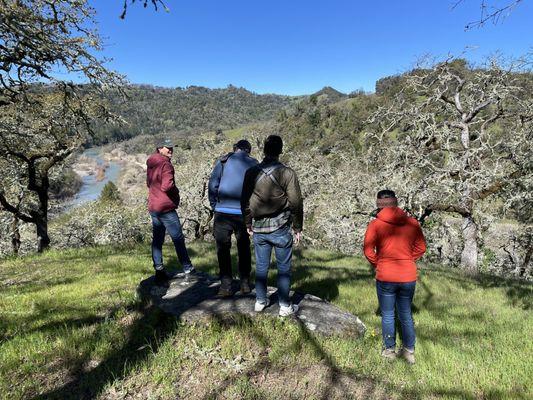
(333, 95)
(150, 110)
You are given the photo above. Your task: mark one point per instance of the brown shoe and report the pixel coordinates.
(245, 286)
(408, 355)
(225, 288)
(389, 353)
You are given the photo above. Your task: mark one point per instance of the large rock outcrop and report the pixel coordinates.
(192, 298)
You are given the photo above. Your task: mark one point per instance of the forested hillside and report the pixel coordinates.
(148, 110)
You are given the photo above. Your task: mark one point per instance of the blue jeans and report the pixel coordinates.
(397, 296)
(281, 241)
(161, 223)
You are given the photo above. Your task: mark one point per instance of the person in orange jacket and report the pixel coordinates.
(393, 243)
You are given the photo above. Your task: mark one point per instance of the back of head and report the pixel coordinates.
(243, 145)
(386, 198)
(273, 146)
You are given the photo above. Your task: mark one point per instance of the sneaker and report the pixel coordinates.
(408, 355)
(285, 311)
(389, 353)
(259, 306)
(161, 278)
(189, 270)
(245, 286)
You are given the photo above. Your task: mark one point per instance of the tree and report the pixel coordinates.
(489, 12)
(44, 120)
(35, 137)
(39, 38)
(155, 4)
(455, 136)
(110, 193)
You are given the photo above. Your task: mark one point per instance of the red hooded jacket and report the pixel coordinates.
(163, 195)
(393, 242)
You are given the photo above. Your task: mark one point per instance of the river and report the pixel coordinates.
(91, 187)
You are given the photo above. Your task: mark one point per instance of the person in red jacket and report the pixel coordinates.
(163, 199)
(393, 243)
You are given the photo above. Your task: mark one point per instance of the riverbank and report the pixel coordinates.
(95, 171)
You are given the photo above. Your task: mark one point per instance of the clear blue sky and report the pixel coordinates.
(296, 46)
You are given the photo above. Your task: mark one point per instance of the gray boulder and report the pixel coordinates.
(194, 297)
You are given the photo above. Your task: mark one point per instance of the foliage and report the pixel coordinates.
(110, 193)
(151, 110)
(35, 139)
(39, 38)
(100, 223)
(79, 331)
(454, 136)
(64, 183)
(44, 120)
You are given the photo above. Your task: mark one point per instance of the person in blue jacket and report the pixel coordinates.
(225, 190)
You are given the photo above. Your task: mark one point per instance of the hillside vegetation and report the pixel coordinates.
(71, 326)
(148, 110)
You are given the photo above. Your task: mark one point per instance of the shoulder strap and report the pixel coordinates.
(268, 172)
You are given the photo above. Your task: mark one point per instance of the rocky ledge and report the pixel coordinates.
(194, 297)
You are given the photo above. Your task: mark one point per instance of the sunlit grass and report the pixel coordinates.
(71, 325)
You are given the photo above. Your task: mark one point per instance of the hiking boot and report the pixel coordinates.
(285, 311)
(161, 278)
(225, 288)
(245, 286)
(389, 353)
(408, 355)
(259, 306)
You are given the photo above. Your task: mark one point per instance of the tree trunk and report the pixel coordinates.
(15, 235)
(43, 241)
(527, 260)
(469, 256)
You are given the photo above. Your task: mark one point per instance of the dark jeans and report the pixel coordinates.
(397, 296)
(224, 226)
(281, 241)
(161, 223)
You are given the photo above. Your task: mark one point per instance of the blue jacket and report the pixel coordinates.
(225, 183)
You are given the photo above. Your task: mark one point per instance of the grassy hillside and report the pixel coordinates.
(71, 326)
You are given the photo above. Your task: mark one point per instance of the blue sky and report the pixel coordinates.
(294, 46)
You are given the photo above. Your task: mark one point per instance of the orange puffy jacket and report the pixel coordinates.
(393, 242)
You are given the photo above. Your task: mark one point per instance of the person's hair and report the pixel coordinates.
(386, 198)
(244, 145)
(273, 146)
(386, 194)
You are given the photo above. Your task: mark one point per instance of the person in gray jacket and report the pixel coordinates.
(225, 190)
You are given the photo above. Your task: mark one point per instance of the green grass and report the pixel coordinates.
(235, 134)
(71, 326)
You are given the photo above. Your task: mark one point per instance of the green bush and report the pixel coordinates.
(110, 193)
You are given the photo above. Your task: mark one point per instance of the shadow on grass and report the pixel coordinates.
(337, 383)
(145, 336)
(365, 385)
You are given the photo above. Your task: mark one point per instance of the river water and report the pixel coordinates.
(91, 188)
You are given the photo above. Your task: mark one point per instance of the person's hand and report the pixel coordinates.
(297, 237)
(250, 232)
